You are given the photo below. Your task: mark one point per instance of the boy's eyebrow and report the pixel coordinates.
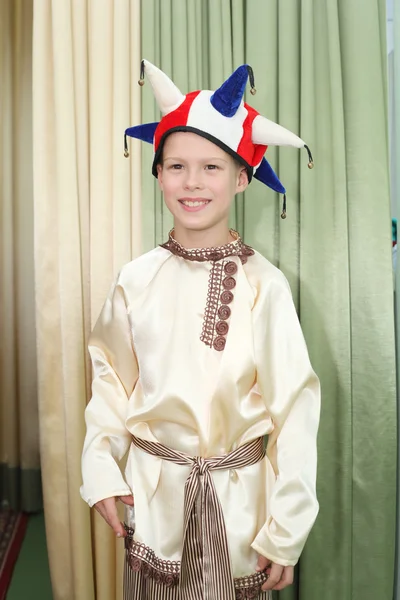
(208, 159)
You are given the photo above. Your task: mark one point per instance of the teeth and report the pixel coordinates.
(194, 204)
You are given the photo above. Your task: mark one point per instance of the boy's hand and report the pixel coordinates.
(108, 510)
(279, 577)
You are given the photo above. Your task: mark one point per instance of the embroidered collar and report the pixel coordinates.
(234, 248)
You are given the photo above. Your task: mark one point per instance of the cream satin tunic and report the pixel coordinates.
(155, 378)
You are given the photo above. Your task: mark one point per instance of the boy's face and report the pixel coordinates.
(199, 181)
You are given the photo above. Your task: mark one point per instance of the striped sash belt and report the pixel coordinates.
(205, 566)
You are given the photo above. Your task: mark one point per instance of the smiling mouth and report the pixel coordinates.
(194, 203)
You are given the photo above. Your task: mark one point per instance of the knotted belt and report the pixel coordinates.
(205, 565)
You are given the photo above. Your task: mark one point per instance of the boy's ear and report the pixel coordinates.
(243, 181)
(159, 176)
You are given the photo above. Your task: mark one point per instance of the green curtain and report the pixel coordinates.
(394, 70)
(320, 70)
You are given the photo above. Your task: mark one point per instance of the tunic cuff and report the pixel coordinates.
(94, 497)
(276, 559)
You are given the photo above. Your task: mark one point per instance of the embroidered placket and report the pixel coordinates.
(221, 284)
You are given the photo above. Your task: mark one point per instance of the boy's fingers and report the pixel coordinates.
(274, 577)
(127, 500)
(113, 520)
(115, 523)
(108, 510)
(286, 579)
(262, 563)
(118, 528)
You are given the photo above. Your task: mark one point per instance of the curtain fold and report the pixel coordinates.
(394, 70)
(320, 70)
(20, 483)
(87, 224)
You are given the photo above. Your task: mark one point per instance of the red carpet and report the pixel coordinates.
(12, 531)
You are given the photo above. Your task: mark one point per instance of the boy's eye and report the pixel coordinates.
(211, 167)
(176, 167)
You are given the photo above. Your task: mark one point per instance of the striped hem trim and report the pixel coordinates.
(142, 559)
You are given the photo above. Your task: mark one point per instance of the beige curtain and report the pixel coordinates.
(87, 224)
(19, 441)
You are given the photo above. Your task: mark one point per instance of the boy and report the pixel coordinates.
(197, 355)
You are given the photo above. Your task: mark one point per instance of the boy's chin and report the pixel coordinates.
(197, 224)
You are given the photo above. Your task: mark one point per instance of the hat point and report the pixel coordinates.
(228, 97)
(168, 96)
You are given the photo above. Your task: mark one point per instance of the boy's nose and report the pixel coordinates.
(193, 181)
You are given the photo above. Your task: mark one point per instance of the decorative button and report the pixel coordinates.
(229, 283)
(226, 297)
(224, 312)
(219, 343)
(243, 259)
(222, 327)
(230, 268)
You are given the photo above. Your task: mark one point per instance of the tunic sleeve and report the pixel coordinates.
(115, 372)
(291, 392)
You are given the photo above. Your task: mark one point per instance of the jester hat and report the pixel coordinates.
(220, 116)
